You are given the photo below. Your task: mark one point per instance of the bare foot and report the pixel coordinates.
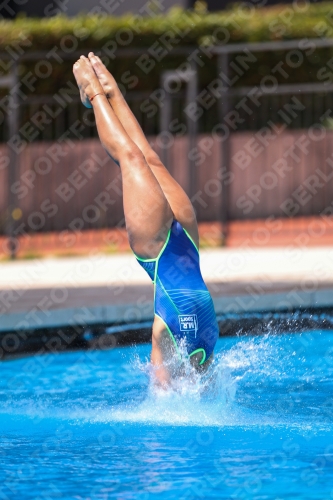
(107, 81)
(87, 80)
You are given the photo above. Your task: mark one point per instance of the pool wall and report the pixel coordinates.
(62, 315)
(108, 336)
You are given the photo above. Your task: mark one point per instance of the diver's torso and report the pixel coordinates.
(182, 299)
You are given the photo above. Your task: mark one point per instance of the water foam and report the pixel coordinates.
(244, 386)
(205, 399)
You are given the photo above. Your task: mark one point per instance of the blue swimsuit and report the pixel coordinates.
(182, 300)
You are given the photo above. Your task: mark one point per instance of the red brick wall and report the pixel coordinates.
(292, 166)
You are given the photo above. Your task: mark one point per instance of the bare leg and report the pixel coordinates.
(162, 350)
(147, 212)
(179, 202)
(162, 345)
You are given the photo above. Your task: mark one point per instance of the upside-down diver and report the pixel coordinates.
(161, 226)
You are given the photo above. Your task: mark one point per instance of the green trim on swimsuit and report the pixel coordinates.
(203, 357)
(144, 260)
(191, 239)
(160, 252)
(156, 259)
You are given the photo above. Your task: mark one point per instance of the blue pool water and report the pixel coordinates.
(87, 425)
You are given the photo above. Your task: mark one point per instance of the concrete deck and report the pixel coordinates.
(113, 289)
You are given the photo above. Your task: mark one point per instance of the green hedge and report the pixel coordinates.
(194, 28)
(271, 23)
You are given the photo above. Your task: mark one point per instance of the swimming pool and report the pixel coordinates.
(86, 424)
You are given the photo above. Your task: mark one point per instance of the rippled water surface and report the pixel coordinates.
(87, 425)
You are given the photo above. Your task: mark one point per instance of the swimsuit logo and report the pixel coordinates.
(188, 323)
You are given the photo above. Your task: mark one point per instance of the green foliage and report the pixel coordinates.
(271, 23)
(197, 28)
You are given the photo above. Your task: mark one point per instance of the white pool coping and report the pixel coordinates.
(311, 269)
(287, 264)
